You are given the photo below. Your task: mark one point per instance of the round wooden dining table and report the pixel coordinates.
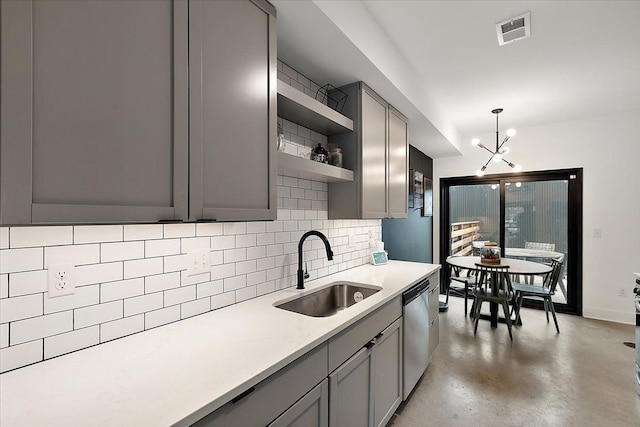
(516, 266)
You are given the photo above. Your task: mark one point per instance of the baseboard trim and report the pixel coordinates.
(610, 315)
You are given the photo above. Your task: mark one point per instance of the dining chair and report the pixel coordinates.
(460, 283)
(544, 292)
(493, 284)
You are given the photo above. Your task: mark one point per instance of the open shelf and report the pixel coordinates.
(299, 167)
(300, 108)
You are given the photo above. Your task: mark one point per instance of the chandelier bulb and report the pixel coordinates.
(475, 142)
(505, 150)
(517, 168)
(511, 132)
(480, 172)
(497, 157)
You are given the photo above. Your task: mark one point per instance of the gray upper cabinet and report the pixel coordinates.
(377, 152)
(398, 188)
(137, 111)
(233, 92)
(94, 111)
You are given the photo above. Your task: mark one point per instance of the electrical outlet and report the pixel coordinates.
(352, 239)
(198, 262)
(61, 280)
(372, 243)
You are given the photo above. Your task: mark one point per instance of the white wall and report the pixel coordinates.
(608, 148)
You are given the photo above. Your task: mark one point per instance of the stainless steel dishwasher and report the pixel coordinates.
(415, 309)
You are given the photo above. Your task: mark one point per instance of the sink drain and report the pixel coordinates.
(629, 344)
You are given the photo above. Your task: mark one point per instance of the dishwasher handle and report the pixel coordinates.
(415, 292)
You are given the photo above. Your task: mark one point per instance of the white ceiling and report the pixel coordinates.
(440, 63)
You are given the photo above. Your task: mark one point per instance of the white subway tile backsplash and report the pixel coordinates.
(143, 231)
(29, 282)
(121, 289)
(161, 317)
(235, 255)
(15, 260)
(84, 296)
(256, 227)
(161, 282)
(155, 248)
(209, 229)
(96, 314)
(195, 243)
(265, 288)
(179, 230)
(223, 242)
(99, 273)
(233, 283)
(223, 271)
(233, 228)
(4, 286)
(193, 308)
(21, 355)
(245, 267)
(141, 304)
(265, 239)
(71, 341)
(256, 278)
(187, 280)
(265, 263)
(97, 234)
(4, 335)
(180, 295)
(175, 263)
(223, 300)
(209, 288)
(273, 250)
(143, 267)
(256, 252)
(23, 237)
(217, 258)
(23, 307)
(4, 237)
(74, 254)
(121, 251)
(246, 293)
(40, 327)
(121, 327)
(245, 240)
(274, 226)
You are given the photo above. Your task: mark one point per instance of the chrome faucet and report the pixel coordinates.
(303, 274)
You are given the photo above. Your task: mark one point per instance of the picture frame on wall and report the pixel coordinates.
(427, 205)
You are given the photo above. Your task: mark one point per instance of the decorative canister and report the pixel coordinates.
(490, 253)
(319, 154)
(335, 156)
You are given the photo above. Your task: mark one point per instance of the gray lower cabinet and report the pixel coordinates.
(290, 396)
(377, 152)
(137, 111)
(310, 411)
(365, 361)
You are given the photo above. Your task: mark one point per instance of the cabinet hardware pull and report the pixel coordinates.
(380, 335)
(370, 344)
(243, 395)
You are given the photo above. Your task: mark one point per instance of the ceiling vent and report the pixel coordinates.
(516, 28)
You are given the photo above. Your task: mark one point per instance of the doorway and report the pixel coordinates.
(533, 215)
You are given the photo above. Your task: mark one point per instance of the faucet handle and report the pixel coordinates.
(306, 273)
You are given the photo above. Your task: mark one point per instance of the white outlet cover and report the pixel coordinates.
(198, 262)
(61, 280)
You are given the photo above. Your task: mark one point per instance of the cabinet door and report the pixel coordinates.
(398, 164)
(232, 86)
(94, 111)
(374, 155)
(310, 411)
(350, 402)
(386, 362)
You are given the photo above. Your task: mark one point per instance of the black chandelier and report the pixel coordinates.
(497, 155)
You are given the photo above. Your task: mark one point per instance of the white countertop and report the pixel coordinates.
(177, 373)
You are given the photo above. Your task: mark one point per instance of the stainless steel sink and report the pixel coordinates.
(328, 301)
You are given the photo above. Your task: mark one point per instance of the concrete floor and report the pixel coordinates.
(583, 376)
